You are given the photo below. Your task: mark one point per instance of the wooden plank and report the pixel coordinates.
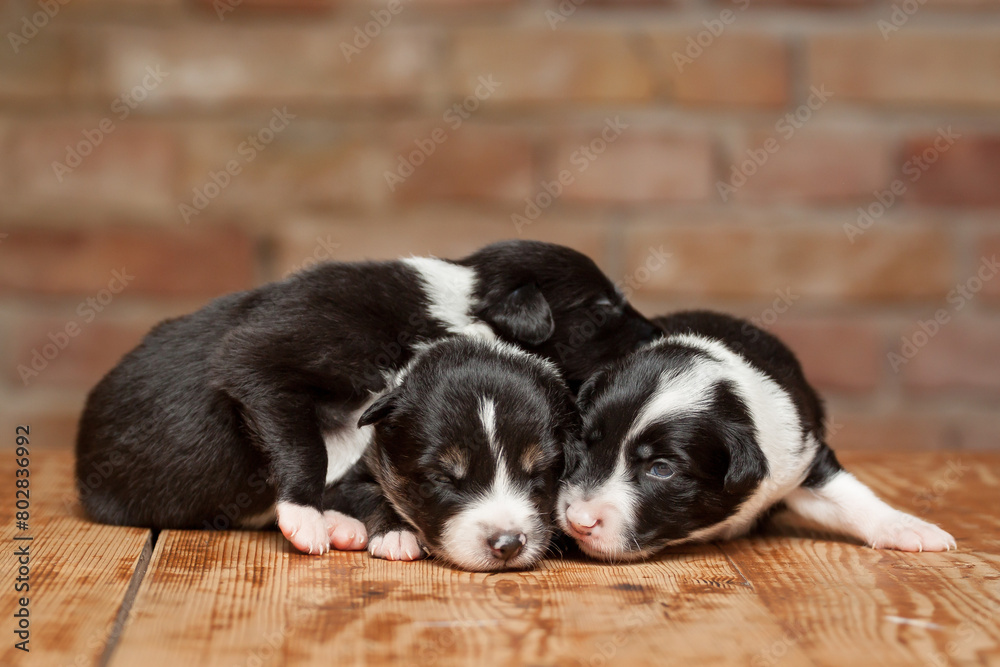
(80, 571)
(246, 599)
(845, 604)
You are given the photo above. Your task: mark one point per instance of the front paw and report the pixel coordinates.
(305, 527)
(345, 533)
(396, 545)
(905, 532)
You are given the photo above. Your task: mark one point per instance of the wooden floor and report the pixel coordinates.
(124, 597)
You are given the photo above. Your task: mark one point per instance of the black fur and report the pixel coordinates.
(716, 461)
(218, 414)
(436, 409)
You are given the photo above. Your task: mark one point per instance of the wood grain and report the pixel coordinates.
(80, 571)
(843, 603)
(236, 598)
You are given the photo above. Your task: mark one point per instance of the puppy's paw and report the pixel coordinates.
(304, 527)
(905, 532)
(345, 533)
(396, 545)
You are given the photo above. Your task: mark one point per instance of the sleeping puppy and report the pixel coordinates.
(466, 458)
(246, 410)
(696, 436)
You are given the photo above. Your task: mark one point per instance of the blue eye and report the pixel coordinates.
(660, 469)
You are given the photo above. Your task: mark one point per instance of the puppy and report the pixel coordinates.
(696, 436)
(466, 458)
(248, 408)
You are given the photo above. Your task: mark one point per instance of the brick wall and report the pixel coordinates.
(831, 168)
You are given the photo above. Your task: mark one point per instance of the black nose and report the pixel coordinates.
(506, 545)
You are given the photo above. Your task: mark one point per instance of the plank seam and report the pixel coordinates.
(129, 598)
(746, 582)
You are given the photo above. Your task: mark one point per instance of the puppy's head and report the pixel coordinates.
(670, 452)
(469, 449)
(555, 301)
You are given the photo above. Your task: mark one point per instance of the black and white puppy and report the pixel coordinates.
(246, 410)
(696, 436)
(466, 458)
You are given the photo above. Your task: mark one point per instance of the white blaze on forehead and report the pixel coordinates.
(504, 508)
(488, 418)
(450, 291)
(687, 390)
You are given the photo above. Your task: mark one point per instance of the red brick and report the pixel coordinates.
(749, 261)
(45, 66)
(963, 356)
(989, 248)
(836, 355)
(188, 263)
(852, 167)
(638, 166)
(129, 169)
(303, 165)
(735, 69)
(565, 65)
(48, 354)
(472, 162)
(236, 65)
(224, 9)
(439, 233)
(913, 66)
(965, 174)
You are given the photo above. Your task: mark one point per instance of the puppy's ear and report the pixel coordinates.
(523, 315)
(747, 463)
(378, 410)
(585, 397)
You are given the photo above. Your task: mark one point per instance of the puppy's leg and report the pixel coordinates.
(358, 494)
(836, 500)
(297, 456)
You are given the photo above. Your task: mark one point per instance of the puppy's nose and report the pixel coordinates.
(581, 520)
(506, 545)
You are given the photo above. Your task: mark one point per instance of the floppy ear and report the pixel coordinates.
(747, 463)
(585, 397)
(523, 315)
(378, 410)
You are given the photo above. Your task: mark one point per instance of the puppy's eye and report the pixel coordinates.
(603, 302)
(440, 479)
(660, 469)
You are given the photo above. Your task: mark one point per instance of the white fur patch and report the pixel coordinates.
(345, 445)
(847, 506)
(777, 425)
(450, 289)
(607, 514)
(504, 509)
(488, 417)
